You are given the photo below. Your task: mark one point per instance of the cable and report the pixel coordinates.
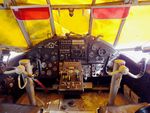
(19, 82)
(40, 84)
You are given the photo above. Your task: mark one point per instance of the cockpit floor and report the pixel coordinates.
(87, 103)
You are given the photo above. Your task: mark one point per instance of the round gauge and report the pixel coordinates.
(38, 55)
(53, 58)
(102, 59)
(50, 65)
(98, 58)
(62, 56)
(91, 54)
(44, 65)
(54, 68)
(101, 52)
(56, 53)
(52, 53)
(94, 75)
(49, 72)
(50, 45)
(46, 56)
(43, 72)
(94, 47)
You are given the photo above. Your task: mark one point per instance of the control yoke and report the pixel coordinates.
(25, 69)
(119, 69)
(125, 71)
(142, 70)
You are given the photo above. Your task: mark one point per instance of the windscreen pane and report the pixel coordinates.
(106, 28)
(78, 23)
(38, 30)
(136, 30)
(10, 34)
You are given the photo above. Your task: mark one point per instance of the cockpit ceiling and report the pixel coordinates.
(135, 30)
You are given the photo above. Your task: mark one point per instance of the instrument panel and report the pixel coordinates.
(47, 56)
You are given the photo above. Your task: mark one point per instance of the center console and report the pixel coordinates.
(71, 77)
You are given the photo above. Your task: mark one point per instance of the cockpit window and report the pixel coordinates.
(38, 30)
(135, 30)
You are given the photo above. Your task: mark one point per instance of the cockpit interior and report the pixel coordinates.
(66, 71)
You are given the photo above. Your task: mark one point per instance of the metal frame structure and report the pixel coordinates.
(100, 5)
(24, 32)
(91, 18)
(119, 32)
(22, 27)
(88, 6)
(51, 18)
(125, 3)
(120, 27)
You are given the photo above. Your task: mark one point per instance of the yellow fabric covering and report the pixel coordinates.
(135, 31)
(10, 33)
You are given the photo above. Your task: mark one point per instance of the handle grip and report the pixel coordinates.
(142, 70)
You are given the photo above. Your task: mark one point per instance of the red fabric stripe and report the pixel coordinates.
(110, 13)
(32, 13)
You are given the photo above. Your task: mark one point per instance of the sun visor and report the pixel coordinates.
(31, 13)
(110, 13)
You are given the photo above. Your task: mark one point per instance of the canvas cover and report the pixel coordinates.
(136, 30)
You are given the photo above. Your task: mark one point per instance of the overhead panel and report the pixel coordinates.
(136, 29)
(78, 23)
(10, 34)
